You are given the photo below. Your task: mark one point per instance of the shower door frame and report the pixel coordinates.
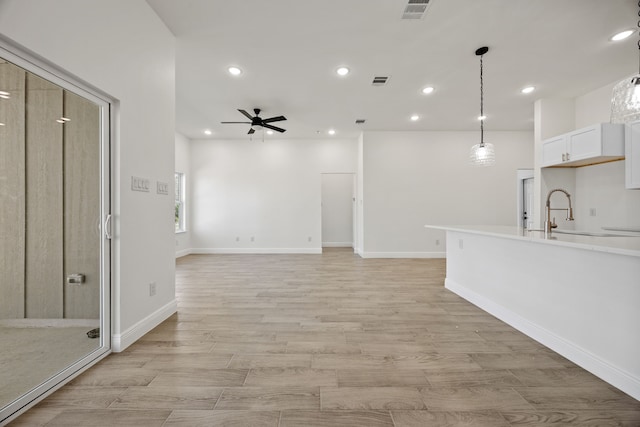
(48, 71)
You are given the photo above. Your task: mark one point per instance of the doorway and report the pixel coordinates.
(338, 210)
(525, 199)
(54, 206)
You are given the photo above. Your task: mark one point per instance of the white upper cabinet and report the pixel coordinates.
(632, 155)
(599, 143)
(554, 150)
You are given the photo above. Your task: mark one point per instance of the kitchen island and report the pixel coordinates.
(578, 295)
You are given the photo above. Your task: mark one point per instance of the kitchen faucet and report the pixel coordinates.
(548, 224)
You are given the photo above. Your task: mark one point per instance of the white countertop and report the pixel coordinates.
(623, 245)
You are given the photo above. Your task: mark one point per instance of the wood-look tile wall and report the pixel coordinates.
(43, 257)
(12, 203)
(49, 199)
(81, 206)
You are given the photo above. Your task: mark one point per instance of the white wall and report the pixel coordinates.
(594, 107)
(417, 178)
(601, 187)
(268, 191)
(122, 48)
(182, 165)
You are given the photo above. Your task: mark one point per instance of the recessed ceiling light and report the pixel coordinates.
(415, 118)
(332, 132)
(342, 71)
(4, 95)
(427, 90)
(234, 71)
(207, 132)
(621, 35)
(269, 132)
(528, 89)
(482, 117)
(2, 124)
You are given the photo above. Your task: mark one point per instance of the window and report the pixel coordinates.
(179, 211)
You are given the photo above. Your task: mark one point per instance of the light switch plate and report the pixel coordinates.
(139, 184)
(163, 188)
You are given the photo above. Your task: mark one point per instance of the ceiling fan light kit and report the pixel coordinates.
(258, 122)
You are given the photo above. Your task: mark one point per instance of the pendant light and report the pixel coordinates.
(482, 154)
(625, 100)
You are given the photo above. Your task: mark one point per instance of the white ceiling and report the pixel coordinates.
(289, 51)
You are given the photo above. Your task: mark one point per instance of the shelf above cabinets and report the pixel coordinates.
(599, 143)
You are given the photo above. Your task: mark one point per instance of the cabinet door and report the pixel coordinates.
(632, 158)
(585, 143)
(554, 151)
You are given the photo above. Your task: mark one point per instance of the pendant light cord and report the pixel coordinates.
(482, 103)
(639, 37)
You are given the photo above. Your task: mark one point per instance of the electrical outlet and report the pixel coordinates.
(592, 212)
(461, 243)
(152, 289)
(437, 242)
(309, 238)
(253, 239)
(237, 239)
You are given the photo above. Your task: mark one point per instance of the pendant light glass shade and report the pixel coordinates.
(482, 154)
(625, 101)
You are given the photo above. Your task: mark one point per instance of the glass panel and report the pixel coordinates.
(51, 282)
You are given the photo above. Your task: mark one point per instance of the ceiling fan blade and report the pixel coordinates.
(247, 115)
(277, 129)
(251, 131)
(246, 123)
(274, 119)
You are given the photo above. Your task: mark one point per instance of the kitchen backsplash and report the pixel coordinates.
(601, 199)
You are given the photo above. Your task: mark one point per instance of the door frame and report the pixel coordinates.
(522, 175)
(354, 216)
(36, 65)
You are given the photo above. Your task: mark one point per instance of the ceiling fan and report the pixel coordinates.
(257, 121)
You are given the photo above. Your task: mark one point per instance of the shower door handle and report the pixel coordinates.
(107, 227)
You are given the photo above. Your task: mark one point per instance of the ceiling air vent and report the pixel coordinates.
(415, 9)
(360, 121)
(380, 80)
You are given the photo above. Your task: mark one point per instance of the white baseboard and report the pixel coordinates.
(337, 244)
(121, 341)
(583, 358)
(182, 253)
(256, 251)
(403, 254)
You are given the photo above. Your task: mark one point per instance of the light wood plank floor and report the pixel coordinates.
(330, 340)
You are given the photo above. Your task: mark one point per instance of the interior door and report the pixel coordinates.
(527, 203)
(337, 209)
